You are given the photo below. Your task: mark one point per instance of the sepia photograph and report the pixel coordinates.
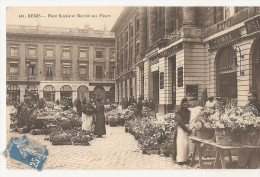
(132, 87)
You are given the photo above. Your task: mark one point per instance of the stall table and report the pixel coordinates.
(219, 150)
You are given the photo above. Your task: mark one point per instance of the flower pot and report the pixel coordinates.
(205, 134)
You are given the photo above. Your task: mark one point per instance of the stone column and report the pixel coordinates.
(189, 16)
(143, 29)
(40, 67)
(74, 66)
(22, 92)
(57, 95)
(151, 22)
(22, 65)
(58, 70)
(91, 62)
(106, 69)
(169, 14)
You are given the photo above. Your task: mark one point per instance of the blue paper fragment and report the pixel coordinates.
(27, 151)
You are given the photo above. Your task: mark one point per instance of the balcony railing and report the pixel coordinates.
(31, 77)
(48, 78)
(59, 31)
(13, 76)
(235, 19)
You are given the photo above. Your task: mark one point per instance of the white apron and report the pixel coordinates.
(182, 142)
(87, 122)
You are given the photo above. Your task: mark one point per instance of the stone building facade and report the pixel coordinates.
(185, 51)
(54, 63)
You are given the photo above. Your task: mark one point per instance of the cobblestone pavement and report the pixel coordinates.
(117, 150)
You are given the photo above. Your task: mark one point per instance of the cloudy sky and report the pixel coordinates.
(65, 17)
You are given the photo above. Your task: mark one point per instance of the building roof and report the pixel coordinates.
(121, 18)
(75, 32)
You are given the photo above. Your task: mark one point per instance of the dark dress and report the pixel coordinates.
(100, 128)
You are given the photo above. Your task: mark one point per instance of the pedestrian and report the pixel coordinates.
(87, 116)
(250, 158)
(211, 103)
(152, 108)
(100, 128)
(70, 102)
(182, 117)
(79, 107)
(139, 108)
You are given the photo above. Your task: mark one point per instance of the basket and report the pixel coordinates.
(251, 137)
(205, 134)
(224, 137)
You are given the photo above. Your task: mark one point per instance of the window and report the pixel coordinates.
(99, 73)
(99, 54)
(131, 54)
(32, 70)
(49, 52)
(113, 54)
(14, 51)
(112, 72)
(49, 70)
(126, 35)
(83, 70)
(32, 51)
(137, 24)
(66, 70)
(13, 69)
(66, 53)
(137, 48)
(228, 12)
(131, 30)
(83, 53)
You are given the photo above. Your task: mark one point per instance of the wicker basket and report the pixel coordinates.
(251, 137)
(205, 134)
(224, 137)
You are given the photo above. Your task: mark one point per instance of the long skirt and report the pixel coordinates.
(87, 122)
(182, 142)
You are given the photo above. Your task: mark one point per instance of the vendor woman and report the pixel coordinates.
(250, 158)
(182, 118)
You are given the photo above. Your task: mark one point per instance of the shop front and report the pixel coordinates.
(13, 93)
(65, 92)
(49, 93)
(99, 92)
(256, 69)
(82, 92)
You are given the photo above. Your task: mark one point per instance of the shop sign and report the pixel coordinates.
(253, 25)
(224, 39)
(220, 68)
(173, 49)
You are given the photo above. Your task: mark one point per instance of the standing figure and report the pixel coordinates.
(79, 107)
(211, 103)
(182, 118)
(100, 128)
(152, 108)
(250, 158)
(87, 116)
(139, 108)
